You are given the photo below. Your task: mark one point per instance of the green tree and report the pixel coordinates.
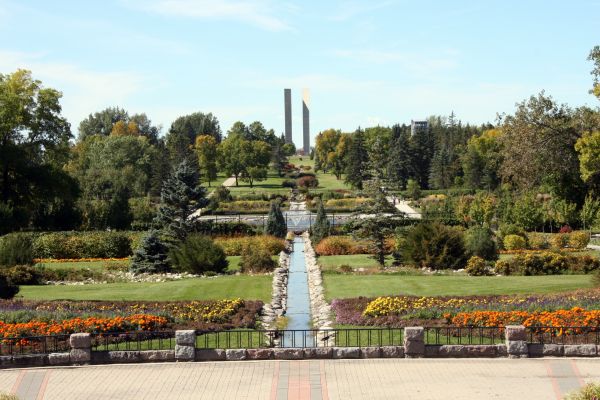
(379, 157)
(183, 132)
(206, 149)
(357, 162)
(441, 175)
(594, 56)
(482, 160)
(539, 147)
(34, 145)
(590, 212)
(116, 121)
(338, 160)
(276, 225)
(279, 155)
(256, 156)
(413, 189)
(7, 289)
(588, 147)
(434, 246)
(421, 150)
(320, 229)
(325, 144)
(230, 156)
(399, 158)
(181, 195)
(152, 256)
(120, 216)
(479, 242)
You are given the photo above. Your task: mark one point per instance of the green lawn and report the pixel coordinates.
(248, 287)
(345, 286)
(331, 263)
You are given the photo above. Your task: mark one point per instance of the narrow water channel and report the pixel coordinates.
(298, 301)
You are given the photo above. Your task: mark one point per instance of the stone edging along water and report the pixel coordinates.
(320, 309)
(278, 305)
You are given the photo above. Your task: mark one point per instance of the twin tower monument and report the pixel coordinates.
(287, 100)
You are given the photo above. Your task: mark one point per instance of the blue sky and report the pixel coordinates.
(365, 62)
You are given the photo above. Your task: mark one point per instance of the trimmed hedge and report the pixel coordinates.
(547, 263)
(97, 244)
(236, 246)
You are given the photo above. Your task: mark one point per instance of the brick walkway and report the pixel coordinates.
(309, 379)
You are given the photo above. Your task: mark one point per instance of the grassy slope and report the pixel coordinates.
(247, 287)
(345, 286)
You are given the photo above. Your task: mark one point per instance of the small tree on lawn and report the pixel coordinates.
(320, 229)
(374, 222)
(180, 196)
(276, 225)
(152, 256)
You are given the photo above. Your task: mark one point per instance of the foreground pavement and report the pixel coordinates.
(548, 378)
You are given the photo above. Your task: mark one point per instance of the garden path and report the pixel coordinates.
(403, 206)
(463, 379)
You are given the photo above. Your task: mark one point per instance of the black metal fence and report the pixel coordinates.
(245, 339)
(563, 335)
(463, 335)
(12, 346)
(133, 341)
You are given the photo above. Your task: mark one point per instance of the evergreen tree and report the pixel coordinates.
(320, 229)
(276, 225)
(358, 161)
(421, 151)
(441, 174)
(152, 256)
(180, 196)
(399, 159)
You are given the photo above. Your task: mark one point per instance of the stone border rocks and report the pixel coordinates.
(278, 304)
(319, 308)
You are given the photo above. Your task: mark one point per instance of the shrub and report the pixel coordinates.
(434, 246)
(335, 246)
(320, 229)
(537, 241)
(256, 259)
(476, 267)
(546, 263)
(514, 242)
(97, 244)
(565, 229)
(151, 257)
(5, 396)
(591, 391)
(307, 182)
(211, 228)
(479, 242)
(235, 246)
(559, 240)
(16, 249)
(7, 289)
(578, 240)
(24, 275)
(198, 254)
(276, 225)
(509, 229)
(221, 193)
(289, 183)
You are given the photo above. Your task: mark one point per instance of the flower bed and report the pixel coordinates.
(398, 311)
(575, 317)
(65, 260)
(208, 315)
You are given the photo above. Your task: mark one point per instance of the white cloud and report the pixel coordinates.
(256, 12)
(84, 91)
(349, 10)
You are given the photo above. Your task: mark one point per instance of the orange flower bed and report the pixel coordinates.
(533, 251)
(560, 318)
(137, 322)
(62, 260)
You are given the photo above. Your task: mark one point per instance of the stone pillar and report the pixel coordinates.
(287, 104)
(414, 342)
(516, 341)
(81, 348)
(185, 345)
(306, 122)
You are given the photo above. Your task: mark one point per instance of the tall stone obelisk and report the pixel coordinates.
(305, 121)
(287, 102)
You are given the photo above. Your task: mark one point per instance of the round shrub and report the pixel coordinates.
(289, 183)
(7, 289)
(16, 249)
(198, 254)
(565, 229)
(504, 267)
(514, 242)
(578, 240)
(307, 182)
(335, 246)
(434, 246)
(509, 229)
(559, 240)
(476, 267)
(256, 259)
(479, 242)
(24, 275)
(537, 241)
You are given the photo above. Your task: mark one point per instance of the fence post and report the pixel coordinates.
(185, 345)
(81, 348)
(516, 341)
(414, 342)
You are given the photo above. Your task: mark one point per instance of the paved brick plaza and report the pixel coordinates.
(310, 379)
